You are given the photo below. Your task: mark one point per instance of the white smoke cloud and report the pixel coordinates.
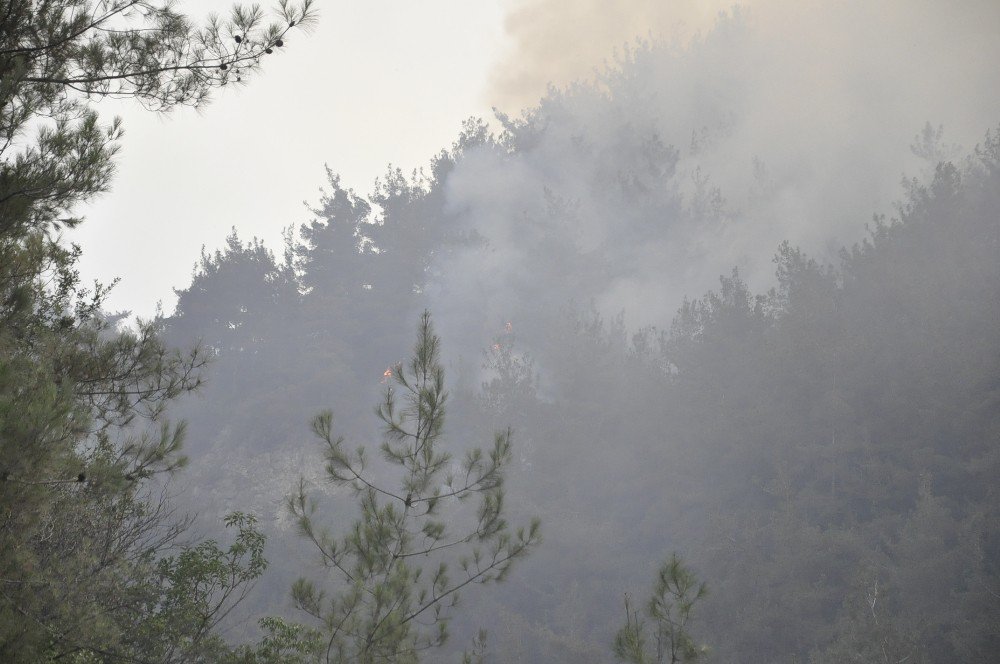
(800, 113)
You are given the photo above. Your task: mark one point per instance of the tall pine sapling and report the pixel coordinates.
(676, 592)
(395, 562)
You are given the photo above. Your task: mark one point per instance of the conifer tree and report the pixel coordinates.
(394, 566)
(675, 593)
(82, 402)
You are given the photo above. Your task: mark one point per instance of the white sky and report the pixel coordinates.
(377, 81)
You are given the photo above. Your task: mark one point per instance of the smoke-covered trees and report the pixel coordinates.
(840, 426)
(394, 566)
(804, 446)
(233, 294)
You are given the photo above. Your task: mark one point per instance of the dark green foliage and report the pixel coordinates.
(188, 594)
(138, 49)
(283, 643)
(69, 399)
(82, 398)
(200, 584)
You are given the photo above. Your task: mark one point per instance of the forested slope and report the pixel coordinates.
(820, 445)
(824, 453)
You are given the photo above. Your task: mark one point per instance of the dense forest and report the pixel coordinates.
(824, 451)
(798, 461)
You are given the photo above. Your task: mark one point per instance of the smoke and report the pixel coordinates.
(559, 41)
(679, 142)
(823, 44)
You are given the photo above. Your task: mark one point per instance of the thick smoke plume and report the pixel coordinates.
(559, 41)
(727, 131)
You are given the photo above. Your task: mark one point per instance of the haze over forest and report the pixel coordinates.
(716, 293)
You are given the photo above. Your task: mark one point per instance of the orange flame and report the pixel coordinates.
(386, 376)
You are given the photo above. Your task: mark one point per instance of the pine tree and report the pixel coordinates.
(82, 401)
(395, 562)
(675, 593)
